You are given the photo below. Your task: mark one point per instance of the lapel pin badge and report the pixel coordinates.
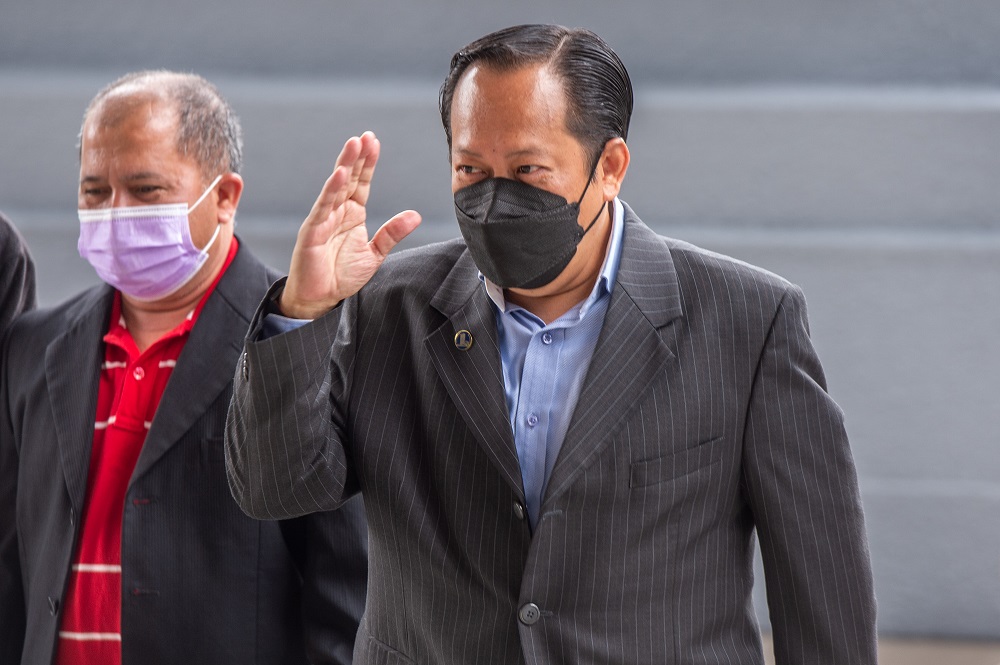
(463, 340)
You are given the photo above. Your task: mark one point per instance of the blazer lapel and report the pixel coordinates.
(473, 377)
(72, 372)
(631, 350)
(206, 365)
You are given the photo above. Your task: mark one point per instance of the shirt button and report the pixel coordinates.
(519, 511)
(138, 373)
(532, 420)
(546, 338)
(529, 614)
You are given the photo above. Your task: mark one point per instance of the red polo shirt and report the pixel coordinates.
(131, 386)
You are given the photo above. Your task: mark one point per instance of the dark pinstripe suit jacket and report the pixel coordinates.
(213, 586)
(703, 416)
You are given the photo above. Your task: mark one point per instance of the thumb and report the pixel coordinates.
(394, 230)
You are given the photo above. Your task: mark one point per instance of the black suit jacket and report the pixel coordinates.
(703, 417)
(201, 582)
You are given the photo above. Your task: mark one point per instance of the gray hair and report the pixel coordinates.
(207, 128)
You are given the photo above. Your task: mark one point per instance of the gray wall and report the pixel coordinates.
(852, 147)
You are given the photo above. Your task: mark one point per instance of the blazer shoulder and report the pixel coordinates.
(691, 262)
(697, 266)
(40, 326)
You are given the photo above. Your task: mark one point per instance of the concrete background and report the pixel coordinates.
(851, 147)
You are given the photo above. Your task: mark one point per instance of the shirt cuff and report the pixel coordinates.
(276, 324)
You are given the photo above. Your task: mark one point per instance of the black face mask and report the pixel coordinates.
(519, 236)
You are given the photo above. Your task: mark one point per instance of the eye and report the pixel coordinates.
(466, 169)
(526, 169)
(93, 194)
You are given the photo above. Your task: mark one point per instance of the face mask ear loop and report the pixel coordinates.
(204, 250)
(580, 200)
(205, 193)
(594, 220)
(218, 227)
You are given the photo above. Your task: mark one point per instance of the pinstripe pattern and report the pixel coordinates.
(201, 581)
(703, 415)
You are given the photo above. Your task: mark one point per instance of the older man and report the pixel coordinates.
(566, 428)
(119, 539)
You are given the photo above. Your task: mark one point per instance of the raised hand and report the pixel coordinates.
(333, 257)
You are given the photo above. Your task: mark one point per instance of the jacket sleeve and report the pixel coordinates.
(12, 606)
(285, 441)
(802, 486)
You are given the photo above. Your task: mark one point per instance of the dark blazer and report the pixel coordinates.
(703, 417)
(201, 582)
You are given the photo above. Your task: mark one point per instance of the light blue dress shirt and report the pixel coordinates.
(544, 367)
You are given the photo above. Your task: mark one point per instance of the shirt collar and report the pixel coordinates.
(606, 279)
(118, 333)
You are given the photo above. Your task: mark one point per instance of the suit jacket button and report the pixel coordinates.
(53, 605)
(246, 367)
(519, 511)
(529, 614)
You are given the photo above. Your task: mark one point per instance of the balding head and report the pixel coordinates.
(207, 129)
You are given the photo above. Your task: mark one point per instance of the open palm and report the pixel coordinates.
(333, 256)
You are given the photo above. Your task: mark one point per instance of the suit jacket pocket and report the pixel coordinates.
(374, 651)
(677, 464)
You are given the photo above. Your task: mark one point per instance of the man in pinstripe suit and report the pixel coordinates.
(566, 429)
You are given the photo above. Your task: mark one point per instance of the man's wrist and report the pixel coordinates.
(292, 309)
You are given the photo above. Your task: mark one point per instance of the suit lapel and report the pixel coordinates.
(473, 377)
(72, 373)
(206, 365)
(631, 350)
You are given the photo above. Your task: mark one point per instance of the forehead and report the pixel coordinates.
(129, 127)
(523, 104)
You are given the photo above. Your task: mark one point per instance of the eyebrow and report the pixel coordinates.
(132, 177)
(526, 152)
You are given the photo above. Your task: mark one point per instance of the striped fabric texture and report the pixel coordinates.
(703, 419)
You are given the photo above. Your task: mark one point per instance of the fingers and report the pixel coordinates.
(331, 196)
(370, 150)
(350, 152)
(390, 233)
(351, 179)
(358, 157)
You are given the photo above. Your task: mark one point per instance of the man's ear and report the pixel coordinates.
(229, 191)
(612, 167)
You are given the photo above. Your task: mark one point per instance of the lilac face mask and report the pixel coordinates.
(145, 252)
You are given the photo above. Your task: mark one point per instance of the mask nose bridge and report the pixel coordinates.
(495, 189)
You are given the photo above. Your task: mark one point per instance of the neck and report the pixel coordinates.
(575, 283)
(149, 321)
(548, 308)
